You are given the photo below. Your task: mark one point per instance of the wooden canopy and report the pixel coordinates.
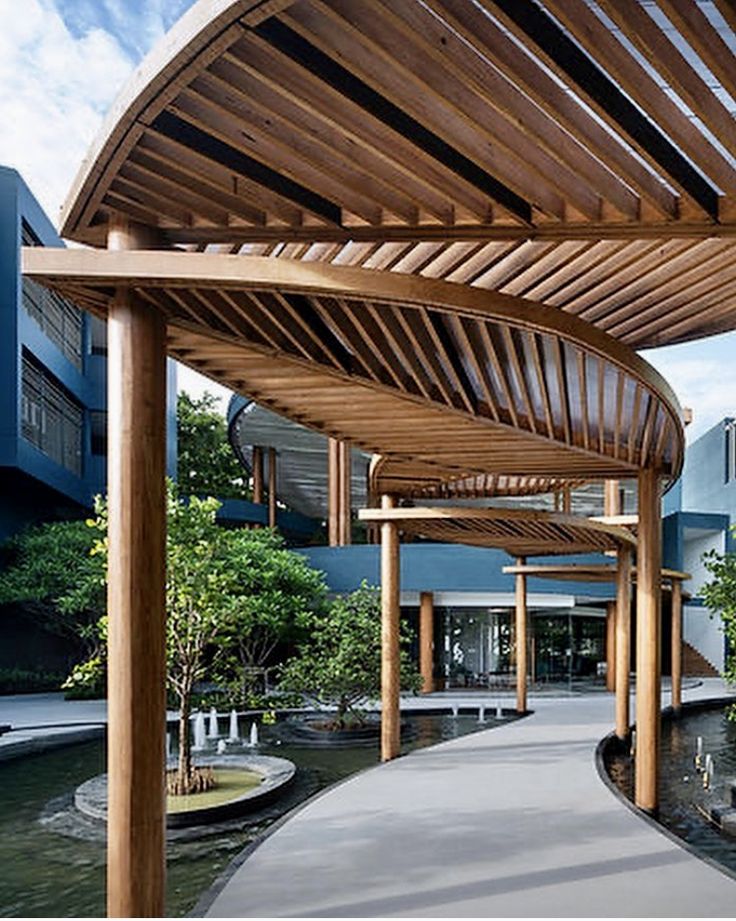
(593, 572)
(467, 381)
(519, 532)
(581, 155)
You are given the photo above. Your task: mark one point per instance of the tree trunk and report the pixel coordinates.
(184, 772)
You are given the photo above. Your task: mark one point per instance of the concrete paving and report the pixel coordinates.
(510, 822)
(42, 721)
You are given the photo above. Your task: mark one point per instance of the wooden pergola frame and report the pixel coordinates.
(534, 205)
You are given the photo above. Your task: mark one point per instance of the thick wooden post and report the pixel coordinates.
(390, 685)
(520, 638)
(611, 498)
(345, 471)
(333, 492)
(623, 640)
(676, 644)
(272, 492)
(136, 604)
(258, 474)
(611, 646)
(426, 641)
(648, 641)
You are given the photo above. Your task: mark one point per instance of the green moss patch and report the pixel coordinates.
(231, 784)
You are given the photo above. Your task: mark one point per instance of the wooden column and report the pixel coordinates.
(136, 604)
(623, 641)
(567, 500)
(676, 644)
(258, 474)
(520, 638)
(648, 640)
(333, 492)
(611, 498)
(390, 685)
(344, 477)
(426, 641)
(272, 492)
(611, 646)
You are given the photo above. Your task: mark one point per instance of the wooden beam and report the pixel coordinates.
(272, 491)
(623, 641)
(258, 474)
(520, 634)
(390, 657)
(611, 646)
(426, 641)
(676, 644)
(136, 604)
(345, 483)
(333, 492)
(648, 641)
(611, 498)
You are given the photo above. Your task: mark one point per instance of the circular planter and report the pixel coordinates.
(90, 798)
(313, 734)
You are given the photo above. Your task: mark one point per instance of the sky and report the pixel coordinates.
(62, 63)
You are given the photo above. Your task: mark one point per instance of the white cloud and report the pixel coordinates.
(54, 90)
(196, 385)
(703, 375)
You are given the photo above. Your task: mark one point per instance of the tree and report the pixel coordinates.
(720, 597)
(206, 464)
(47, 563)
(275, 601)
(214, 580)
(339, 663)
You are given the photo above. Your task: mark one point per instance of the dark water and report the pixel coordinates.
(52, 862)
(682, 796)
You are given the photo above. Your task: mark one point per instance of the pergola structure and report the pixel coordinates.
(537, 189)
(519, 532)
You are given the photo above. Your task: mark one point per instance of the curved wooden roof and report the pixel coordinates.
(592, 572)
(407, 477)
(466, 381)
(579, 154)
(518, 532)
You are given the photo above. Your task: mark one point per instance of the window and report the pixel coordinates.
(98, 335)
(50, 419)
(61, 321)
(98, 430)
(729, 472)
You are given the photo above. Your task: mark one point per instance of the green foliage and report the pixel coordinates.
(339, 663)
(87, 681)
(274, 600)
(28, 681)
(719, 596)
(47, 565)
(206, 464)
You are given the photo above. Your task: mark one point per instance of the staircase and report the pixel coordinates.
(695, 664)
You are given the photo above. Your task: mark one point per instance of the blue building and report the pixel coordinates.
(699, 512)
(53, 357)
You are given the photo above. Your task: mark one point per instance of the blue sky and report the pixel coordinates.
(62, 62)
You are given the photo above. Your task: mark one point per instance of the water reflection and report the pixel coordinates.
(684, 801)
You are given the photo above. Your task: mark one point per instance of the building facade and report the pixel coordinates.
(53, 360)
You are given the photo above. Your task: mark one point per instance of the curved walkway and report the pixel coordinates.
(511, 822)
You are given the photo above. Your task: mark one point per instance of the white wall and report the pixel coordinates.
(699, 629)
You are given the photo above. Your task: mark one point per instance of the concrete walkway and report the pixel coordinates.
(512, 822)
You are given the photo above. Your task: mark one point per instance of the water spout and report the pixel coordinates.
(253, 735)
(233, 735)
(481, 714)
(499, 710)
(455, 710)
(200, 736)
(213, 730)
(168, 746)
(221, 746)
(699, 753)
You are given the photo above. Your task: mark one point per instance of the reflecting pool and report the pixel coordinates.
(52, 861)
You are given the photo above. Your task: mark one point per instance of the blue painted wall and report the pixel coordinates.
(444, 567)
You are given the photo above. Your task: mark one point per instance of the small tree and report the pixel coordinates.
(720, 597)
(339, 664)
(206, 465)
(47, 563)
(276, 598)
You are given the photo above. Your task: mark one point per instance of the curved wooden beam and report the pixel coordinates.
(468, 380)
